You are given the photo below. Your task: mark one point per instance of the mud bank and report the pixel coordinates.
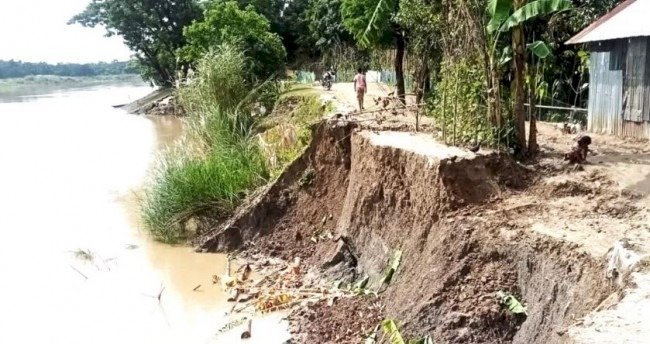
(161, 102)
(356, 196)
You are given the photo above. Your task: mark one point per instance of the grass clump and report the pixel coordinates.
(210, 169)
(230, 146)
(184, 185)
(289, 129)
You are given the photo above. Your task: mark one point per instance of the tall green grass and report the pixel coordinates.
(209, 170)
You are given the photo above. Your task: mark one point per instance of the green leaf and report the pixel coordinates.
(362, 283)
(372, 24)
(499, 10)
(506, 55)
(534, 9)
(540, 49)
(513, 305)
(394, 265)
(391, 330)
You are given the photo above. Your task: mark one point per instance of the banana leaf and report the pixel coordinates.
(534, 9)
(391, 330)
(394, 265)
(513, 305)
(499, 11)
(540, 49)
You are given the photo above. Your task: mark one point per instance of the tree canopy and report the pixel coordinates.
(226, 23)
(326, 25)
(373, 23)
(152, 29)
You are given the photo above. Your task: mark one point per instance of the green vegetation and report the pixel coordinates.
(35, 84)
(289, 132)
(226, 23)
(217, 161)
(19, 69)
(474, 63)
(393, 335)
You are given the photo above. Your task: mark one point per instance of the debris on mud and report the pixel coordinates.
(346, 321)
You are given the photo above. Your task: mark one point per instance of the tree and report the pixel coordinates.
(19, 69)
(289, 20)
(226, 23)
(152, 29)
(373, 24)
(510, 16)
(326, 30)
(421, 18)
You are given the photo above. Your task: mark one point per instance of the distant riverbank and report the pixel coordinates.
(38, 84)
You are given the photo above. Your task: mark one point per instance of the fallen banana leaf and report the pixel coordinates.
(394, 265)
(391, 330)
(362, 283)
(513, 305)
(273, 302)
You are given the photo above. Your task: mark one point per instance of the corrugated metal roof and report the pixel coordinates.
(629, 19)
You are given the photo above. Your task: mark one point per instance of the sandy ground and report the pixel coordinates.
(374, 114)
(419, 143)
(595, 223)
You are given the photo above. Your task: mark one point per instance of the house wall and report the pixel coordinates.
(619, 87)
(606, 87)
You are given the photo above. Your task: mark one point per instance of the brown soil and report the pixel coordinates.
(468, 226)
(347, 321)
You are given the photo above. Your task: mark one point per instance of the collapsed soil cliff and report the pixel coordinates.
(356, 196)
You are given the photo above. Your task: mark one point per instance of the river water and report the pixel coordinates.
(70, 170)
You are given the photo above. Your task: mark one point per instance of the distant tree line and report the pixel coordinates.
(19, 69)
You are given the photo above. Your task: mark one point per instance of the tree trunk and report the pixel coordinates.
(532, 131)
(519, 67)
(400, 44)
(423, 80)
(494, 98)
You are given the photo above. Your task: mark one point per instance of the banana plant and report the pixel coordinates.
(509, 17)
(508, 14)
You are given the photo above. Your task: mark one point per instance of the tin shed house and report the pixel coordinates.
(619, 85)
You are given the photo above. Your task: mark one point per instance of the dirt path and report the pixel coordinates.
(374, 115)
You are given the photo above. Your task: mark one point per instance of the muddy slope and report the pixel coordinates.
(304, 201)
(357, 196)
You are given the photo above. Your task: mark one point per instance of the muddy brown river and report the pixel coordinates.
(75, 264)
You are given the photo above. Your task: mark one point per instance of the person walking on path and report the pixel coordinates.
(360, 87)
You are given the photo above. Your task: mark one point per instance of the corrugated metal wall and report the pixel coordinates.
(634, 82)
(606, 87)
(619, 87)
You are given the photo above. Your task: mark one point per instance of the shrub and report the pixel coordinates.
(184, 185)
(216, 162)
(219, 81)
(226, 23)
